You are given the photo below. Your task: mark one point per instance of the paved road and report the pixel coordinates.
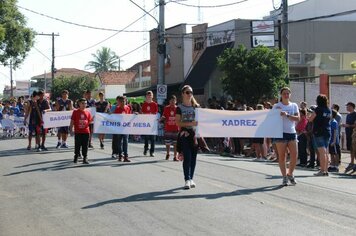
(46, 194)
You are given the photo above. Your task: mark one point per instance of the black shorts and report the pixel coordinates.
(63, 130)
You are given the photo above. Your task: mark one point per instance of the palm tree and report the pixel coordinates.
(104, 60)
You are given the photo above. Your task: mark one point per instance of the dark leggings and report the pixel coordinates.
(81, 141)
(189, 151)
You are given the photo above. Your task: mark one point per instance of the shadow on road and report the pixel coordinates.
(65, 164)
(24, 152)
(171, 195)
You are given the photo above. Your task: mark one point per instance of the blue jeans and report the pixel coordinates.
(122, 144)
(190, 157)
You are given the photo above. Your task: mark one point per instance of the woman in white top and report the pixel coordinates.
(290, 115)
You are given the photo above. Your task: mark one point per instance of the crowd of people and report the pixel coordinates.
(310, 134)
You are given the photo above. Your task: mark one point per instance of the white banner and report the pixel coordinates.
(242, 124)
(54, 119)
(125, 124)
(19, 121)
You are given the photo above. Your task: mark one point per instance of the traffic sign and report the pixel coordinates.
(161, 91)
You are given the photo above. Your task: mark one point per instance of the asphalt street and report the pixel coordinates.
(47, 194)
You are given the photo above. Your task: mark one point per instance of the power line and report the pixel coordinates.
(125, 54)
(82, 50)
(42, 53)
(81, 25)
(207, 6)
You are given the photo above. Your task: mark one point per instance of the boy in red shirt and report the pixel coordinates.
(120, 141)
(81, 119)
(149, 107)
(170, 127)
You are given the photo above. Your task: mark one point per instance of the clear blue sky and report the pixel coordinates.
(113, 14)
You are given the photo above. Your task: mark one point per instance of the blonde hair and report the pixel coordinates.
(194, 102)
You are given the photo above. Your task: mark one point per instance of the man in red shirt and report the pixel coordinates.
(149, 107)
(81, 118)
(170, 127)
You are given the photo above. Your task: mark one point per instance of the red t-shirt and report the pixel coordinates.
(120, 110)
(170, 122)
(149, 108)
(81, 120)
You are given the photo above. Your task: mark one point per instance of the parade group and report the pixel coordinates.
(311, 134)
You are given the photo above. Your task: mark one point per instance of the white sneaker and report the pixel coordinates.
(187, 184)
(192, 184)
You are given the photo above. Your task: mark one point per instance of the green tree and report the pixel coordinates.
(75, 85)
(104, 60)
(16, 40)
(252, 76)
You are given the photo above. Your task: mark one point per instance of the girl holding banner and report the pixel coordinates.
(290, 115)
(187, 142)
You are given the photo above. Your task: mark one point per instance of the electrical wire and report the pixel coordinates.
(133, 50)
(42, 53)
(81, 25)
(208, 6)
(96, 44)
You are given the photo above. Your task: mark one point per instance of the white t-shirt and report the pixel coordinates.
(291, 109)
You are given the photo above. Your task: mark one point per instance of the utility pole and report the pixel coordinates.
(52, 65)
(285, 37)
(11, 81)
(161, 44)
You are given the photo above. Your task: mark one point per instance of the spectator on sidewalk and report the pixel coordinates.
(334, 144)
(302, 138)
(349, 126)
(321, 132)
(338, 119)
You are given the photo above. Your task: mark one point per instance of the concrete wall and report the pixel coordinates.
(339, 94)
(112, 91)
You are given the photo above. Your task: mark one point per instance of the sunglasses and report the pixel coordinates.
(188, 92)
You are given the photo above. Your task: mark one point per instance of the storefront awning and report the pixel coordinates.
(207, 63)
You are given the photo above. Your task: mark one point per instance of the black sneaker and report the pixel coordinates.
(101, 145)
(285, 181)
(91, 145)
(44, 148)
(145, 152)
(311, 166)
(292, 179)
(75, 159)
(85, 161)
(152, 154)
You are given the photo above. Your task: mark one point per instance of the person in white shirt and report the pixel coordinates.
(290, 116)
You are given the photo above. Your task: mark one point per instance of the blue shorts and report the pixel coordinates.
(287, 137)
(321, 141)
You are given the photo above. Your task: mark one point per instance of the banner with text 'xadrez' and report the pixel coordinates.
(242, 124)
(125, 124)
